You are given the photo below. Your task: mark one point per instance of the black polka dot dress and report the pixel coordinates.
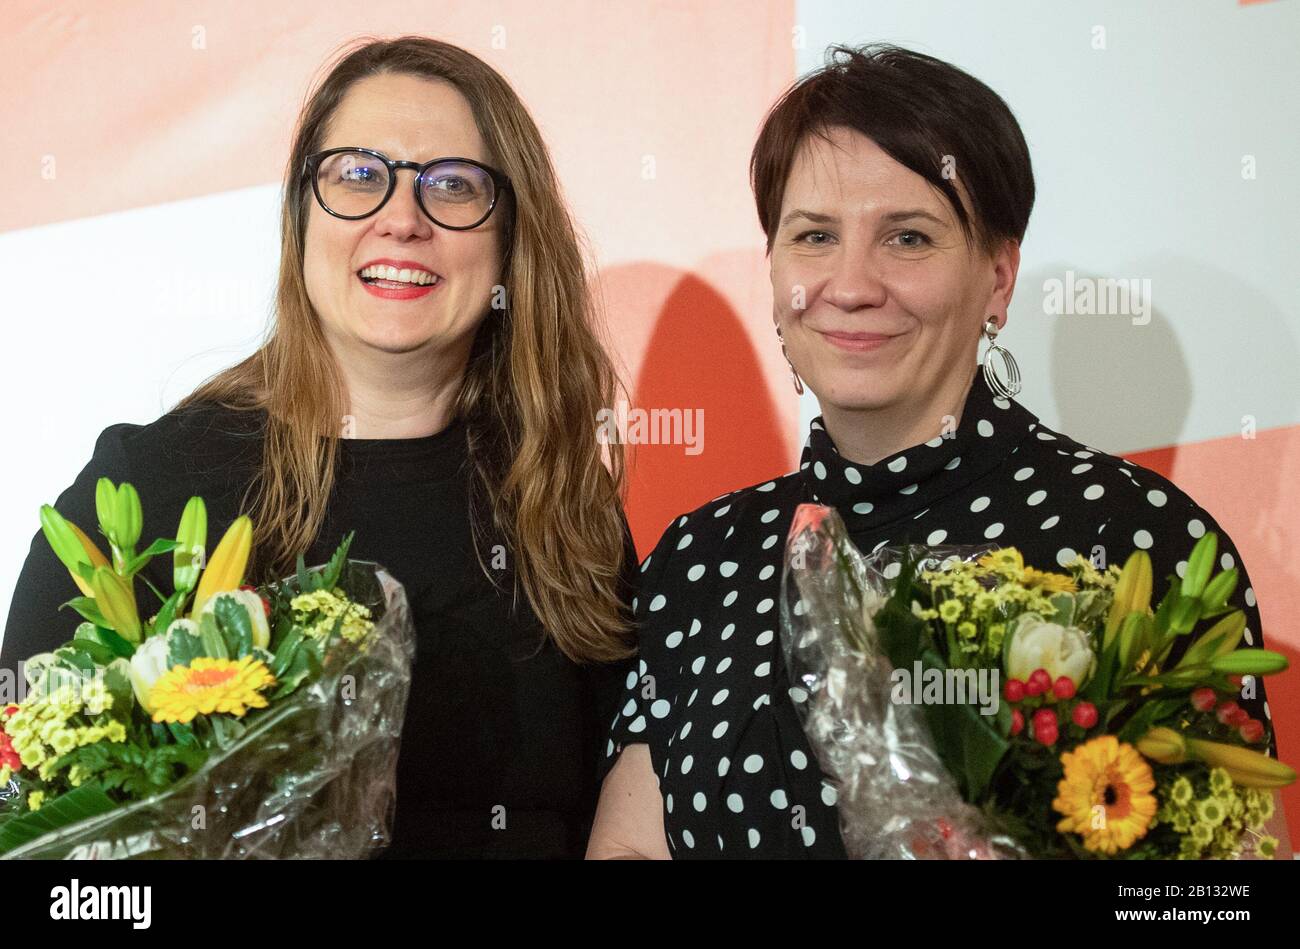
(710, 696)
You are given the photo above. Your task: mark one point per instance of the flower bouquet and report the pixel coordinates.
(236, 722)
(966, 704)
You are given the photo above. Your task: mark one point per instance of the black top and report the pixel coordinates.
(492, 722)
(737, 775)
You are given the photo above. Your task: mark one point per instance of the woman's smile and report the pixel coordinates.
(398, 279)
(857, 342)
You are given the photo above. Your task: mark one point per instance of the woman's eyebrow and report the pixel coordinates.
(813, 217)
(894, 217)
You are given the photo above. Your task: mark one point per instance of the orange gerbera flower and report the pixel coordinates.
(210, 685)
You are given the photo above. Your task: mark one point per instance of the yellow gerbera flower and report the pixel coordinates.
(1106, 795)
(1052, 582)
(210, 685)
(1006, 559)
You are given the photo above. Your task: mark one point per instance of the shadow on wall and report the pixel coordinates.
(1122, 381)
(707, 421)
(1119, 379)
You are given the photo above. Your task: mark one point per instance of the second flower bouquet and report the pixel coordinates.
(967, 704)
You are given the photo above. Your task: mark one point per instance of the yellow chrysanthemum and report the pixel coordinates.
(328, 607)
(1220, 782)
(1051, 582)
(1106, 795)
(949, 610)
(210, 685)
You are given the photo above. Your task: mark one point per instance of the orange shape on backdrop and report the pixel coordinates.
(700, 359)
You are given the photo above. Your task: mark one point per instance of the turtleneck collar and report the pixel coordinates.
(909, 481)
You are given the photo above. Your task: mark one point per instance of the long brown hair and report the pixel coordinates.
(536, 379)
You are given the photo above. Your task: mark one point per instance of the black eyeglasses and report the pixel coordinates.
(455, 193)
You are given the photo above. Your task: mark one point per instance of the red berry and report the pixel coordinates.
(1252, 731)
(1044, 717)
(1039, 682)
(1014, 690)
(1238, 718)
(1017, 722)
(1204, 699)
(1226, 711)
(1046, 734)
(1085, 715)
(1063, 687)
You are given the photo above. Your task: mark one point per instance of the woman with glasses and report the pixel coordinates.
(430, 380)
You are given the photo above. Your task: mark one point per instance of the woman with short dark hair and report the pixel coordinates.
(894, 190)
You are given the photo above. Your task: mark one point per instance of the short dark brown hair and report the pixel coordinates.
(919, 110)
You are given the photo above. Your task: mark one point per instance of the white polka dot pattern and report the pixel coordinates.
(708, 617)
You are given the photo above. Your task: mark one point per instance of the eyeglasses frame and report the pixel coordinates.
(311, 164)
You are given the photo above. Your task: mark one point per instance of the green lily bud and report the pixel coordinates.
(1131, 640)
(192, 535)
(62, 539)
(1199, 565)
(1220, 639)
(106, 508)
(1249, 662)
(1219, 590)
(116, 601)
(128, 516)
(1163, 745)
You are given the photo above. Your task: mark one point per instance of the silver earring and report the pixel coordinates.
(798, 383)
(1010, 387)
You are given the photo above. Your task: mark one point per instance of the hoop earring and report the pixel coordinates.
(798, 383)
(1010, 387)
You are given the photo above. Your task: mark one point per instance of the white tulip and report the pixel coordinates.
(150, 662)
(1061, 650)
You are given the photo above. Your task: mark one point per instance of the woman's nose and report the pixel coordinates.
(401, 215)
(854, 282)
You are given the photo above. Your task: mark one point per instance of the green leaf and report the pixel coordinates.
(226, 730)
(118, 683)
(184, 734)
(305, 663)
(183, 647)
(213, 645)
(304, 580)
(88, 608)
(970, 744)
(335, 566)
(1065, 609)
(76, 656)
(167, 612)
(285, 652)
(117, 646)
(79, 804)
(138, 563)
(1147, 715)
(236, 626)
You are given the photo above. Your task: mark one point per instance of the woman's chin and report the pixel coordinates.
(395, 340)
(858, 395)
